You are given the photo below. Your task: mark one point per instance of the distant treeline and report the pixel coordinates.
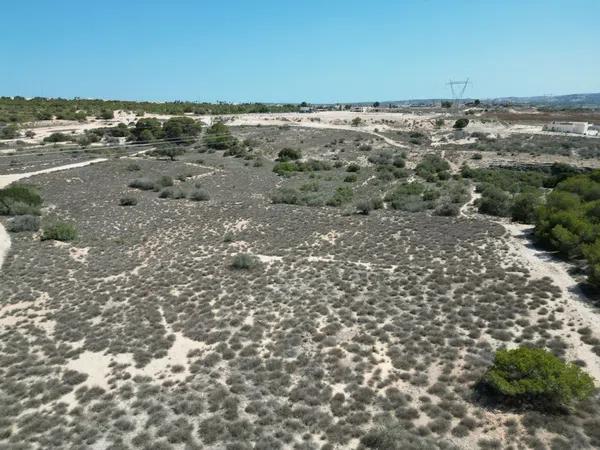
(20, 109)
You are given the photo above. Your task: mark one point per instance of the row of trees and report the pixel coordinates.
(569, 220)
(19, 109)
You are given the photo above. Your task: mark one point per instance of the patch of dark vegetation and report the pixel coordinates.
(60, 231)
(536, 378)
(20, 199)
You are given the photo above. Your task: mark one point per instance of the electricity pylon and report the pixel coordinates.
(458, 90)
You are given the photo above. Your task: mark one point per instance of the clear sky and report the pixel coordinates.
(313, 50)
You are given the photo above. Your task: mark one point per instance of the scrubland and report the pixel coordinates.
(290, 283)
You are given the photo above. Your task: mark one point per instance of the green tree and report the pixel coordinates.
(218, 136)
(461, 123)
(182, 129)
(147, 129)
(357, 121)
(535, 376)
(170, 150)
(494, 201)
(524, 206)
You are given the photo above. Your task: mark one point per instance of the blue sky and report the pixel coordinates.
(279, 51)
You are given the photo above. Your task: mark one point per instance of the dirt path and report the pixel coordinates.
(473, 198)
(577, 308)
(5, 180)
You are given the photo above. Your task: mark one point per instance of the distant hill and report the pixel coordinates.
(579, 100)
(571, 100)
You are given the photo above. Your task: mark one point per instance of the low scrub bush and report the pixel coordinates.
(343, 194)
(244, 261)
(171, 192)
(58, 137)
(128, 201)
(367, 205)
(289, 154)
(22, 223)
(447, 209)
(142, 183)
(432, 167)
(60, 231)
(537, 377)
(199, 195)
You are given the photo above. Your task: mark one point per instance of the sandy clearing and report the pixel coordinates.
(5, 180)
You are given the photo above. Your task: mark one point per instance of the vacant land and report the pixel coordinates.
(250, 297)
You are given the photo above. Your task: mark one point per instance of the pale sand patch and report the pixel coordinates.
(329, 237)
(268, 259)
(79, 254)
(97, 364)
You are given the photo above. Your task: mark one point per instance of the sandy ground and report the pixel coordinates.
(5, 180)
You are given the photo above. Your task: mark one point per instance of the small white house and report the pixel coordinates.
(568, 127)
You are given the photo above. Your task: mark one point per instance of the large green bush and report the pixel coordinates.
(537, 377)
(18, 199)
(288, 154)
(60, 231)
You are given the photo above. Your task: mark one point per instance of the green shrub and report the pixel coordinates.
(350, 178)
(537, 377)
(353, 167)
(9, 132)
(244, 261)
(128, 201)
(199, 195)
(367, 205)
(60, 231)
(343, 194)
(285, 168)
(494, 201)
(432, 167)
(356, 122)
(58, 137)
(165, 181)
(171, 192)
(142, 183)
(524, 206)
(289, 154)
(19, 199)
(448, 210)
(23, 223)
(461, 123)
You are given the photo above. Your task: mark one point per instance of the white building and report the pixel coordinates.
(568, 127)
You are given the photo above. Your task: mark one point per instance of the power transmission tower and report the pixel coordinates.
(458, 89)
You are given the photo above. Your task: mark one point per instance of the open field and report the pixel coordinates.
(147, 331)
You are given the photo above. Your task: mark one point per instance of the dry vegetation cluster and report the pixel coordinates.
(248, 320)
